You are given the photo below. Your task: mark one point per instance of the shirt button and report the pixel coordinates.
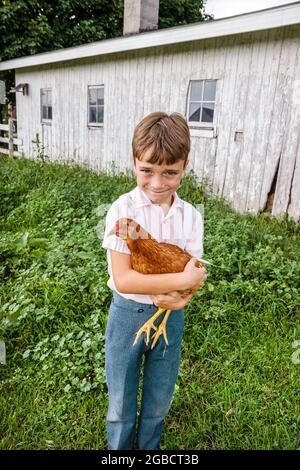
(140, 310)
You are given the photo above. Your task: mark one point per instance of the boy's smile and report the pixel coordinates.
(159, 182)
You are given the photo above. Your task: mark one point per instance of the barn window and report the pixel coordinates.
(96, 105)
(201, 102)
(46, 104)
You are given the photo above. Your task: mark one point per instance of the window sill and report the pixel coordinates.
(47, 123)
(95, 126)
(208, 132)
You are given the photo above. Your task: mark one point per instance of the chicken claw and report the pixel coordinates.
(161, 330)
(147, 326)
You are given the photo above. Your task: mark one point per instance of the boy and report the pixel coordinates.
(160, 145)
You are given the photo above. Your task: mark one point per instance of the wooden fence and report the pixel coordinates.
(8, 136)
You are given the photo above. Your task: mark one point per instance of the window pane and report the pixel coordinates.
(92, 96)
(196, 91)
(49, 112)
(43, 98)
(100, 101)
(208, 112)
(194, 114)
(44, 112)
(100, 92)
(92, 114)
(209, 90)
(49, 97)
(96, 96)
(100, 113)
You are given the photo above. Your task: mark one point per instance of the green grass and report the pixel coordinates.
(238, 386)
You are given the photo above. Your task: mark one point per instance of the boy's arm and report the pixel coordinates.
(128, 281)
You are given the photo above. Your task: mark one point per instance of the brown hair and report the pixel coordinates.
(167, 136)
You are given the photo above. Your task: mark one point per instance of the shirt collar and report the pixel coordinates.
(141, 199)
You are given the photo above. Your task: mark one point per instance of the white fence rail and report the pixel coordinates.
(7, 136)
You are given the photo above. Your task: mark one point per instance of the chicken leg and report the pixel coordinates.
(161, 330)
(148, 325)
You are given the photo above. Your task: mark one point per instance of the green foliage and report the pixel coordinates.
(31, 27)
(238, 384)
(180, 12)
(34, 26)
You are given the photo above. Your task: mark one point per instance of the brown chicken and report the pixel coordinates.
(148, 256)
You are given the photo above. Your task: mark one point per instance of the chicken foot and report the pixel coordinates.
(147, 326)
(161, 330)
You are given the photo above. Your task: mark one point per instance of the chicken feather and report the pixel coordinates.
(148, 256)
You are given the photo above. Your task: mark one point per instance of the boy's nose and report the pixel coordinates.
(157, 183)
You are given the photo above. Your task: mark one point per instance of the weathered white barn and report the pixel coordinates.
(237, 81)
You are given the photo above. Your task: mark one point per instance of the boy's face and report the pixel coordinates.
(159, 182)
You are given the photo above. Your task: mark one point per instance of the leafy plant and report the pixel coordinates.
(237, 383)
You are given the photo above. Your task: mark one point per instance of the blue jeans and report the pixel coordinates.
(123, 365)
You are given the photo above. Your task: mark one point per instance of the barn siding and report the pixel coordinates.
(257, 94)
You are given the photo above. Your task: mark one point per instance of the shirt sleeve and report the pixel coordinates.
(194, 244)
(111, 241)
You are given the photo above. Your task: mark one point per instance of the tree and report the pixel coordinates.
(30, 27)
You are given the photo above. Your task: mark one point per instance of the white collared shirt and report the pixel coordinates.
(181, 226)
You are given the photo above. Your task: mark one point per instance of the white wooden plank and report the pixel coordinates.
(165, 80)
(250, 122)
(294, 206)
(121, 143)
(84, 130)
(235, 146)
(268, 135)
(216, 72)
(291, 139)
(131, 106)
(15, 141)
(208, 158)
(140, 90)
(157, 84)
(178, 81)
(194, 74)
(90, 75)
(113, 106)
(225, 114)
(116, 108)
(261, 111)
(6, 152)
(205, 73)
(109, 93)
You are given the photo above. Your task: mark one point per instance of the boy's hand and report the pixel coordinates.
(171, 300)
(196, 276)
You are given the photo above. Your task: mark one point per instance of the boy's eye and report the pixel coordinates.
(169, 173)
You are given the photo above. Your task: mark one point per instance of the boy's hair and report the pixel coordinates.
(167, 136)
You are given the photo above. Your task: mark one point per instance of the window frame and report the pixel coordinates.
(94, 124)
(46, 120)
(199, 124)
